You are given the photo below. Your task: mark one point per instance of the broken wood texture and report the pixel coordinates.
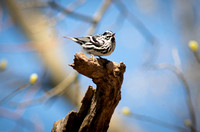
(98, 104)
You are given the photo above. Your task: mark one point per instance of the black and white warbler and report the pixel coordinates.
(97, 45)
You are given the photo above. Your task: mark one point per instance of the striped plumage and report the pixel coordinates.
(97, 45)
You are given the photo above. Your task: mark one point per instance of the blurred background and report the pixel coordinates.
(157, 40)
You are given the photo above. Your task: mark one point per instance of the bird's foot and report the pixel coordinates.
(100, 57)
(94, 59)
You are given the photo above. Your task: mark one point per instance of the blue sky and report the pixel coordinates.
(155, 93)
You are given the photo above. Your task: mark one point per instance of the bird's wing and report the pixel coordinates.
(84, 39)
(88, 40)
(96, 40)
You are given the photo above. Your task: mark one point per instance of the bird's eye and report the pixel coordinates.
(108, 37)
(113, 40)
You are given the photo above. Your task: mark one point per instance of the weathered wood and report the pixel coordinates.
(97, 105)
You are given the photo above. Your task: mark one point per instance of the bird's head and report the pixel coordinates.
(109, 36)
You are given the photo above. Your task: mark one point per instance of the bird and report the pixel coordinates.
(97, 45)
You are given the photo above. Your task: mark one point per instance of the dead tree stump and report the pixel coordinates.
(97, 105)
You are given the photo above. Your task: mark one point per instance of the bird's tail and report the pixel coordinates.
(74, 39)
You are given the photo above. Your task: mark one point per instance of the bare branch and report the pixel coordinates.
(187, 90)
(141, 28)
(58, 90)
(97, 105)
(177, 60)
(14, 92)
(99, 15)
(158, 122)
(197, 57)
(71, 13)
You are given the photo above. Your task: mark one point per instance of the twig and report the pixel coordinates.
(187, 90)
(140, 27)
(70, 8)
(157, 121)
(135, 21)
(73, 14)
(14, 92)
(197, 57)
(58, 90)
(99, 15)
(24, 123)
(176, 58)
(93, 20)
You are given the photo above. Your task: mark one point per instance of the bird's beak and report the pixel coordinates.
(113, 34)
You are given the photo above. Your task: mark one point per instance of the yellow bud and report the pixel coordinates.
(187, 123)
(193, 45)
(126, 111)
(3, 64)
(33, 78)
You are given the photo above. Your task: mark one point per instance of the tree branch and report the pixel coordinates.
(97, 105)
